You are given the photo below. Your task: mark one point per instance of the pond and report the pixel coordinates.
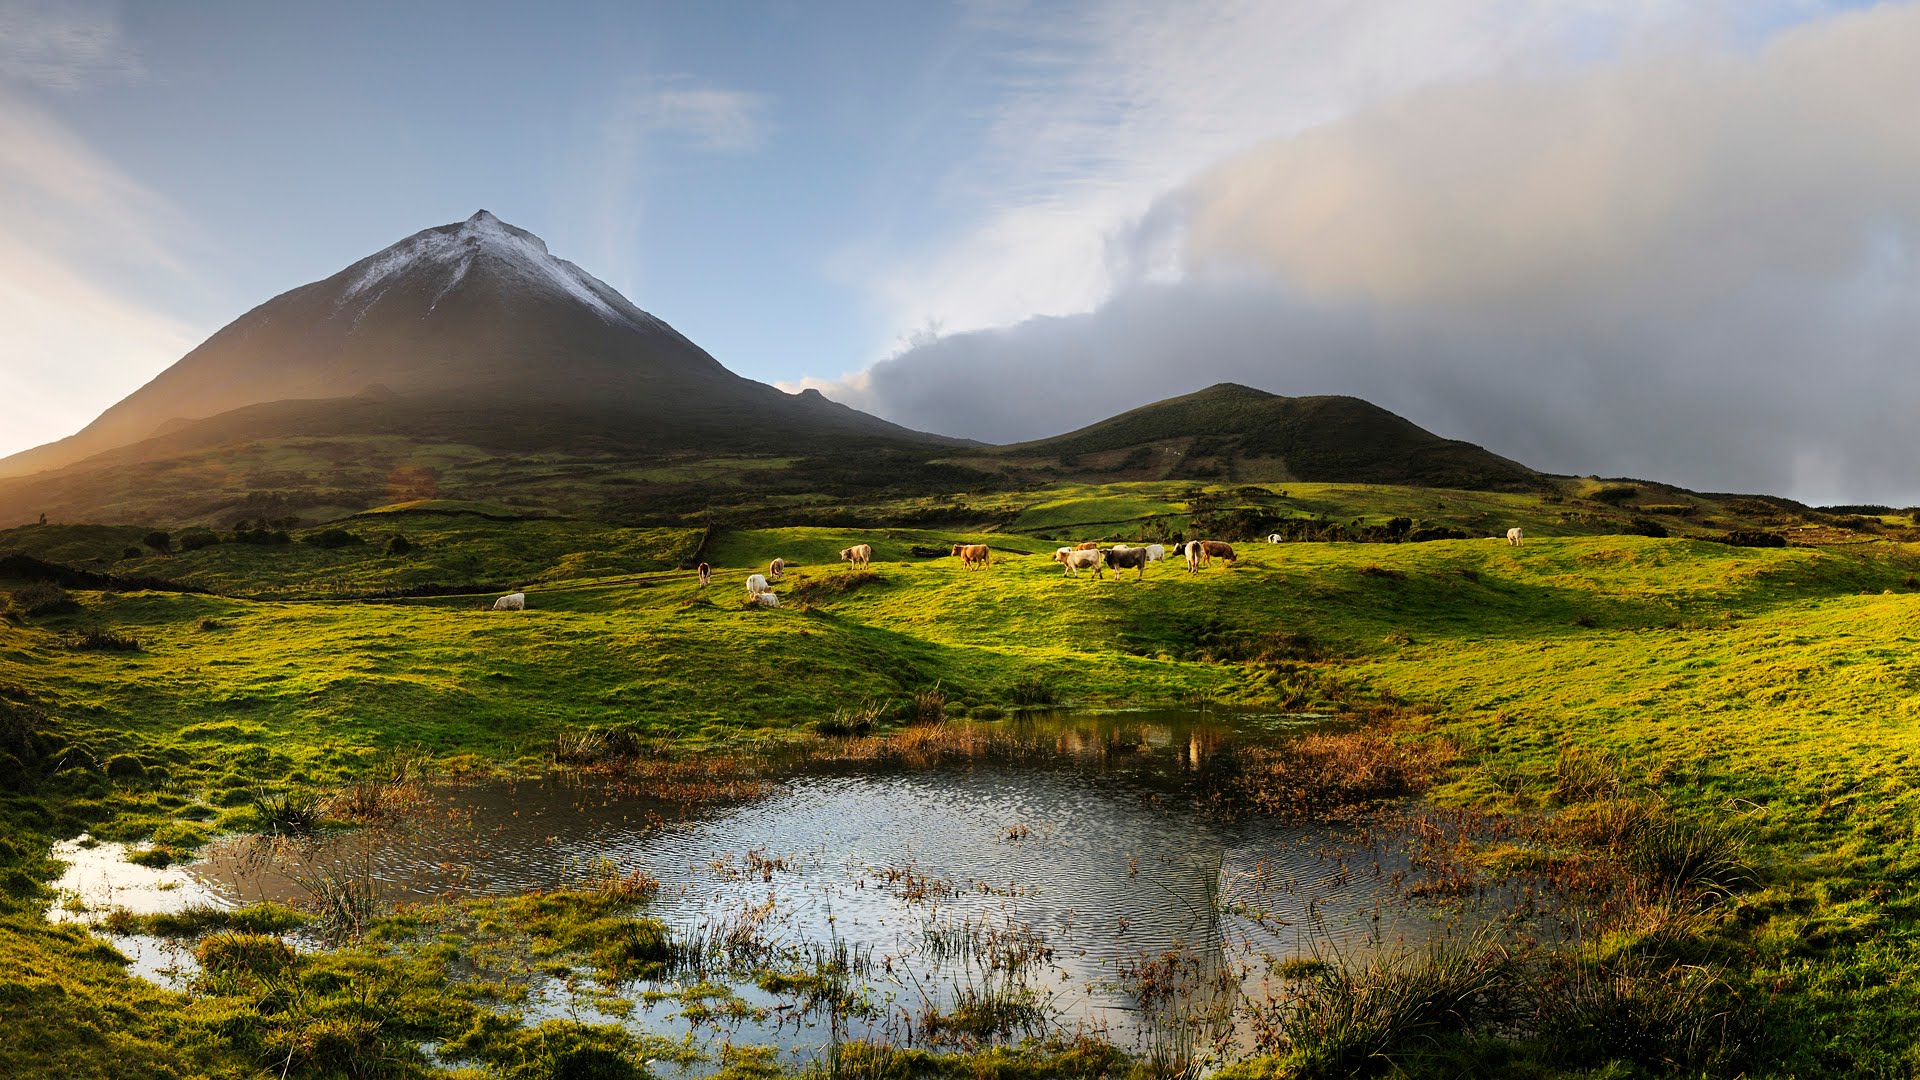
(1054, 875)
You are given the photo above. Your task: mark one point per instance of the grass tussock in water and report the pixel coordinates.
(1327, 775)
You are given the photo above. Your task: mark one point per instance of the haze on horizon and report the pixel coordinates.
(1671, 240)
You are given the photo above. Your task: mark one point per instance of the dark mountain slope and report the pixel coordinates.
(1331, 439)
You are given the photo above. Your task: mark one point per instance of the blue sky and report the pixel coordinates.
(805, 189)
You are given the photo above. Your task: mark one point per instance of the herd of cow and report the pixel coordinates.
(1087, 556)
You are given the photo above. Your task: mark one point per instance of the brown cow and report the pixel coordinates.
(1091, 545)
(706, 573)
(972, 556)
(1119, 559)
(1218, 549)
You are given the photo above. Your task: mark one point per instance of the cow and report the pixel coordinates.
(1273, 538)
(1156, 552)
(1091, 545)
(511, 602)
(1078, 559)
(1120, 558)
(1513, 536)
(706, 574)
(756, 584)
(972, 556)
(859, 555)
(776, 568)
(766, 599)
(1193, 555)
(1218, 549)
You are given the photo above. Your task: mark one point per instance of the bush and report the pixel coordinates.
(399, 545)
(1613, 495)
(1753, 539)
(195, 539)
(1641, 526)
(40, 598)
(158, 541)
(331, 539)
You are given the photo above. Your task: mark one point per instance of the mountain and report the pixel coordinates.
(476, 326)
(469, 335)
(1229, 431)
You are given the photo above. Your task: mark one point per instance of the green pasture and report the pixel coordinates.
(1775, 687)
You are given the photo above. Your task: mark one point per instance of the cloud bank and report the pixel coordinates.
(1693, 264)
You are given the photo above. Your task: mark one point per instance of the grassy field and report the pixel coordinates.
(1776, 689)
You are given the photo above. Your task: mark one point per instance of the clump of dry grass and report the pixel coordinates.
(1327, 775)
(807, 593)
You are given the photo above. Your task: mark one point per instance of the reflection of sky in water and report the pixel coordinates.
(1115, 862)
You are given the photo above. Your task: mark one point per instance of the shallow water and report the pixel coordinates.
(1072, 848)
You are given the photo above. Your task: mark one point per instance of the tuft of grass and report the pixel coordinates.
(98, 640)
(1346, 1021)
(40, 598)
(288, 813)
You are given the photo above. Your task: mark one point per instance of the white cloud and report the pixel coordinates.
(644, 112)
(1106, 105)
(1694, 263)
(68, 220)
(63, 44)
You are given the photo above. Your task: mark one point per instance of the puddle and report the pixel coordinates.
(1064, 870)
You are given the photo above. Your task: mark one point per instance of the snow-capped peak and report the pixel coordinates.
(448, 253)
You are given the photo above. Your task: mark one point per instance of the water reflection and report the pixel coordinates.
(1063, 874)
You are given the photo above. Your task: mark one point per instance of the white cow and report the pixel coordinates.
(766, 599)
(776, 568)
(511, 602)
(1194, 554)
(1273, 538)
(1078, 559)
(756, 584)
(859, 554)
(1156, 552)
(1513, 536)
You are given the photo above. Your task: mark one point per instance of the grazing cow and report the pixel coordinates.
(1193, 555)
(1078, 559)
(1218, 549)
(972, 556)
(1120, 558)
(766, 599)
(776, 568)
(859, 554)
(1156, 552)
(1513, 536)
(1091, 545)
(1273, 538)
(706, 574)
(756, 584)
(511, 602)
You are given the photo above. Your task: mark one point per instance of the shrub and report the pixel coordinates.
(1613, 495)
(1753, 539)
(1435, 532)
(158, 541)
(195, 539)
(399, 545)
(1642, 526)
(40, 598)
(331, 539)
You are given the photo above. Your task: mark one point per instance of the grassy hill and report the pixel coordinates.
(1576, 678)
(1234, 432)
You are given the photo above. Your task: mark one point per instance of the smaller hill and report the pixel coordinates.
(1234, 432)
